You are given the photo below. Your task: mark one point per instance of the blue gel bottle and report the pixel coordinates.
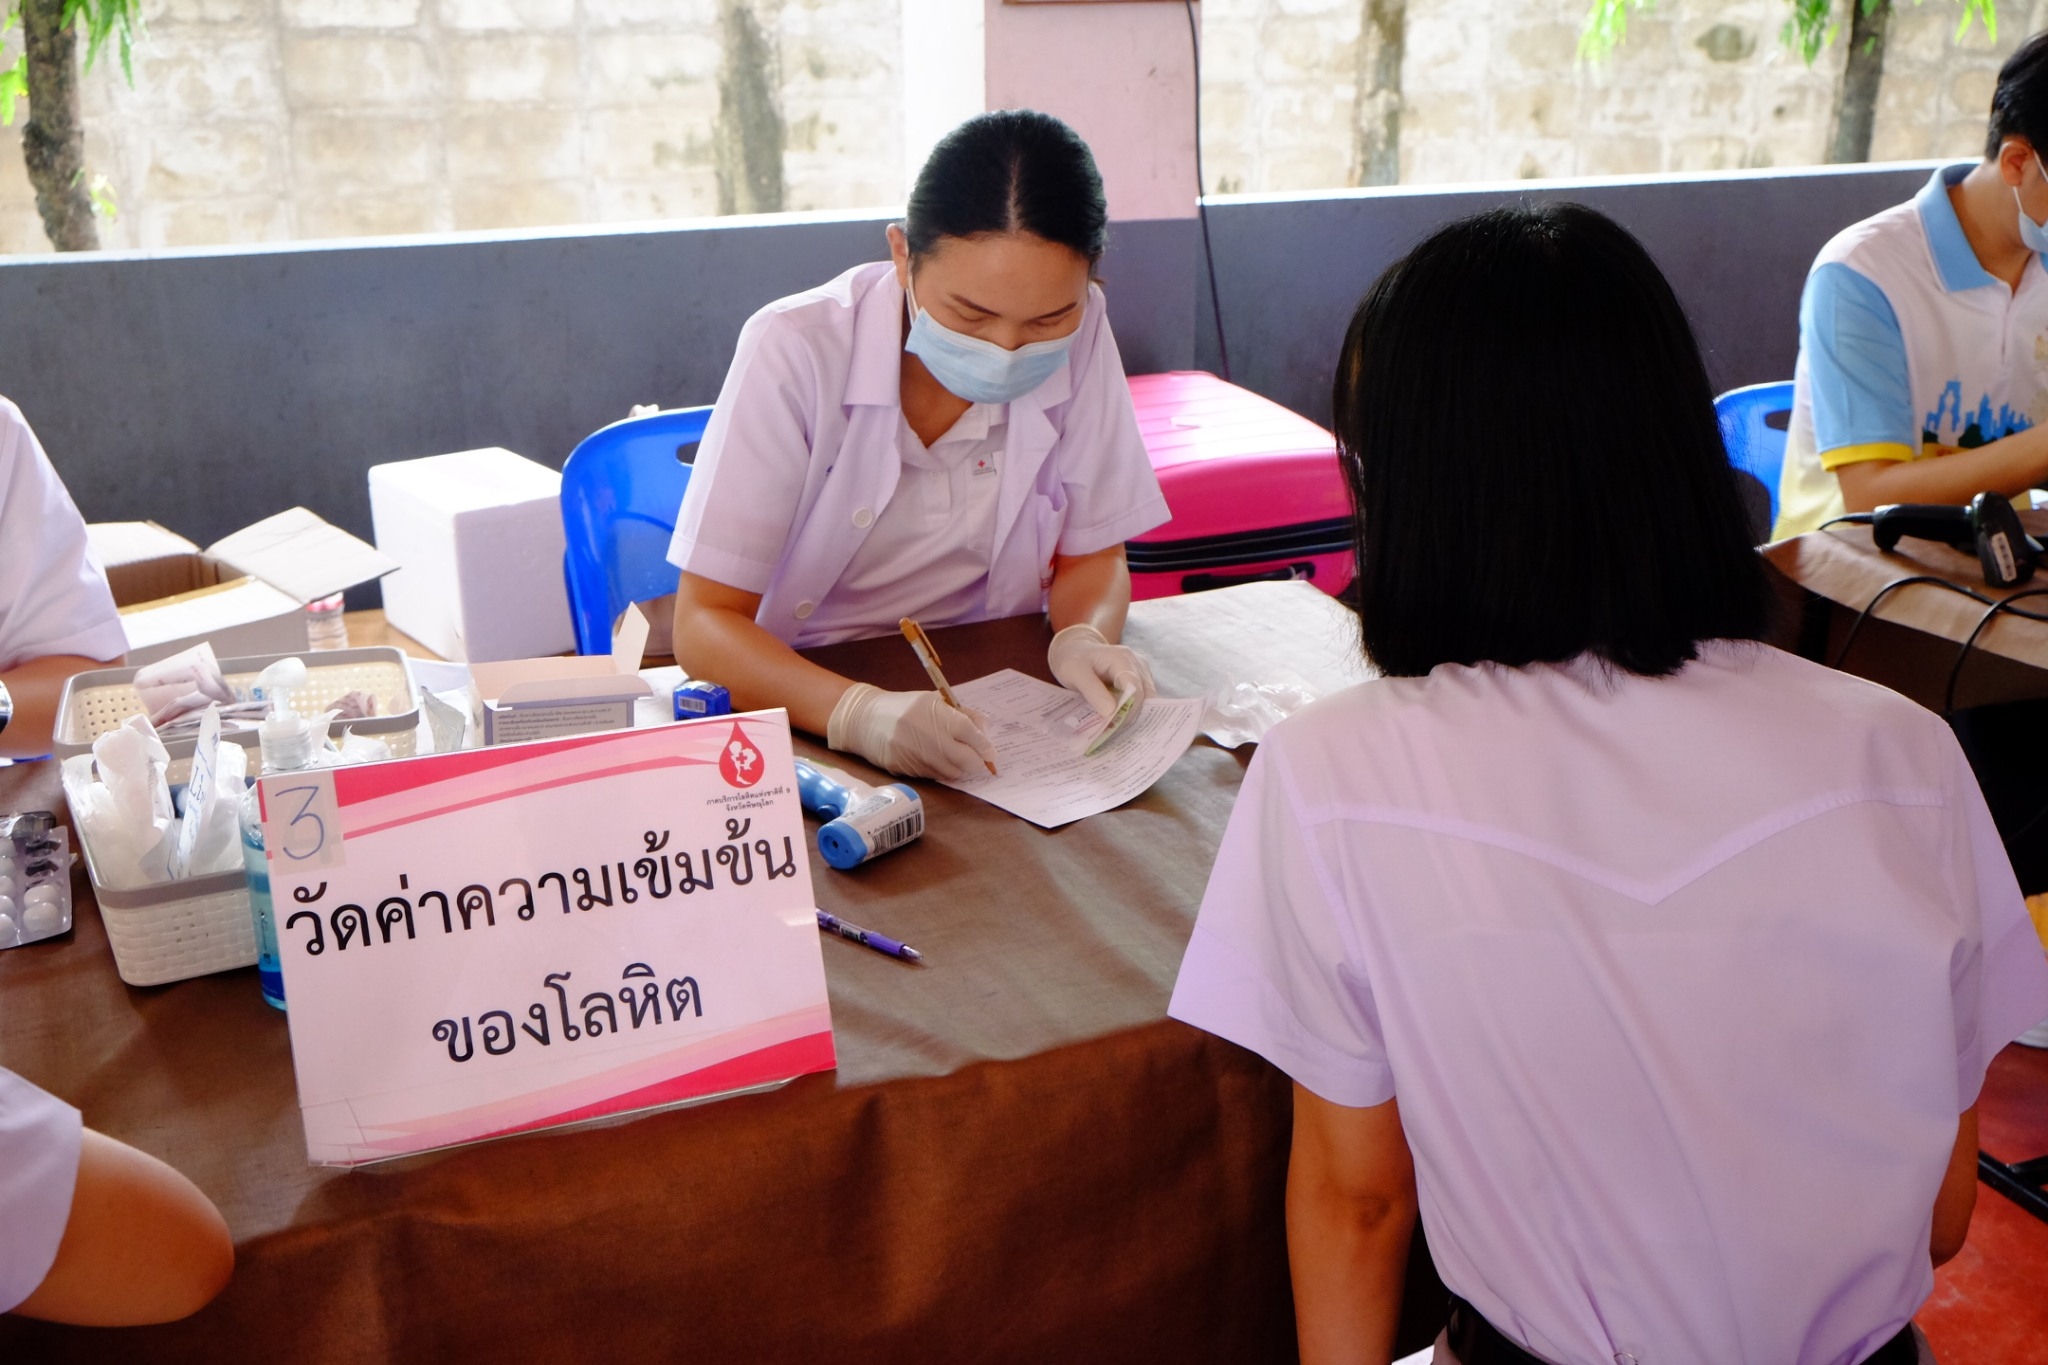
(289, 744)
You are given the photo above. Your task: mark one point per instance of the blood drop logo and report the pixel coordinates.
(740, 762)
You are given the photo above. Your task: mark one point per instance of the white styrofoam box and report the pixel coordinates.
(478, 540)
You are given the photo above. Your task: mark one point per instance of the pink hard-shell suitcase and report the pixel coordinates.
(1255, 491)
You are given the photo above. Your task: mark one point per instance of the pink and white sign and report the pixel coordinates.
(506, 939)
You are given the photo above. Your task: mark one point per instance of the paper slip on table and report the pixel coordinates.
(1912, 640)
(1019, 1157)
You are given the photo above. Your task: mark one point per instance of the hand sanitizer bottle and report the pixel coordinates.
(290, 742)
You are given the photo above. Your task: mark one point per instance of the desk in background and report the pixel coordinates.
(1019, 1157)
(1916, 633)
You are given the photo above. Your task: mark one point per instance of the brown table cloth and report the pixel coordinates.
(1916, 632)
(1019, 1157)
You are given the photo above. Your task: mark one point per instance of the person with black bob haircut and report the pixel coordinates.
(1659, 969)
(946, 435)
(1550, 533)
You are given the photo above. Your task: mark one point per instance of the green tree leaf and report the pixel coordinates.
(1809, 31)
(1606, 24)
(1985, 10)
(100, 20)
(103, 202)
(13, 88)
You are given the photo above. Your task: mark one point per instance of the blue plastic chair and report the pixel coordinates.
(621, 489)
(1755, 446)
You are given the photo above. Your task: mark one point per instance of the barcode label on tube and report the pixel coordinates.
(898, 832)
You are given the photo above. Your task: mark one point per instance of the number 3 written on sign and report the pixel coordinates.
(303, 826)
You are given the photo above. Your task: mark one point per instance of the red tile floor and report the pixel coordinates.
(1990, 1304)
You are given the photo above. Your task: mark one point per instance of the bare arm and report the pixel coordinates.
(1091, 590)
(1350, 1212)
(717, 638)
(2010, 465)
(35, 687)
(142, 1245)
(1957, 1199)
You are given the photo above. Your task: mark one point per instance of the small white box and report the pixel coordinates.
(478, 540)
(522, 699)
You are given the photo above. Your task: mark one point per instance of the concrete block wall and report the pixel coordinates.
(1496, 92)
(1937, 87)
(268, 120)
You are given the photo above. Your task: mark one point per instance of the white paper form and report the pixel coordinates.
(1041, 732)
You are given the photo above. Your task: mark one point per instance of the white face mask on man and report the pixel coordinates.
(2034, 235)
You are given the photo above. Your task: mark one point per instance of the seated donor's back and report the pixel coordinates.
(1923, 333)
(1682, 955)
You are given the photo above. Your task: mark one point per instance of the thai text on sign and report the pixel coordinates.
(505, 939)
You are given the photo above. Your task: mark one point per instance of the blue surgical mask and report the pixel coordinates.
(981, 371)
(2032, 234)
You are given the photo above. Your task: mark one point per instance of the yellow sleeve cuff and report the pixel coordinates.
(1882, 450)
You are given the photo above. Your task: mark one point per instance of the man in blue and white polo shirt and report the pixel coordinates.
(1923, 333)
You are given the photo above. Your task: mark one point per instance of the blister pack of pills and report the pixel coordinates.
(35, 878)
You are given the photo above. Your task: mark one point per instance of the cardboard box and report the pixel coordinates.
(246, 592)
(478, 539)
(522, 699)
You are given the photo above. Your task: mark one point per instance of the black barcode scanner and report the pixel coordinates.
(1988, 526)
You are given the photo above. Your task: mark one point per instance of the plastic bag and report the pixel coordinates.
(1242, 712)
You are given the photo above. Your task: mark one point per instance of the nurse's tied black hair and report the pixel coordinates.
(1012, 170)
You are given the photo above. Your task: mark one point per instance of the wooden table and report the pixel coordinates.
(1019, 1157)
(367, 629)
(1917, 631)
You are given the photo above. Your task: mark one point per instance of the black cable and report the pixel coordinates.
(1201, 194)
(1886, 591)
(1853, 518)
(2023, 831)
(1948, 696)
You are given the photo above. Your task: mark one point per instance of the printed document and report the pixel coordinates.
(1042, 733)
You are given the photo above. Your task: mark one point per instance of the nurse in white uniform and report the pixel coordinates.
(56, 616)
(945, 435)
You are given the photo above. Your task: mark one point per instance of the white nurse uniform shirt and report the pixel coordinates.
(1681, 982)
(53, 595)
(40, 1137)
(810, 489)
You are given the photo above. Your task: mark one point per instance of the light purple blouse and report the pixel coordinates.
(1681, 982)
(40, 1137)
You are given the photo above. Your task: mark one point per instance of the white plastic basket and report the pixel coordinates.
(176, 930)
(169, 931)
(97, 701)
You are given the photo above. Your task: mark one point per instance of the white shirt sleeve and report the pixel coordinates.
(40, 1137)
(1112, 493)
(749, 473)
(53, 594)
(1267, 967)
(1999, 977)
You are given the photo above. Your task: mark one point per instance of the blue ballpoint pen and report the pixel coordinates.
(868, 938)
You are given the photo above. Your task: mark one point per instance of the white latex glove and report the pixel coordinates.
(1086, 663)
(913, 733)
